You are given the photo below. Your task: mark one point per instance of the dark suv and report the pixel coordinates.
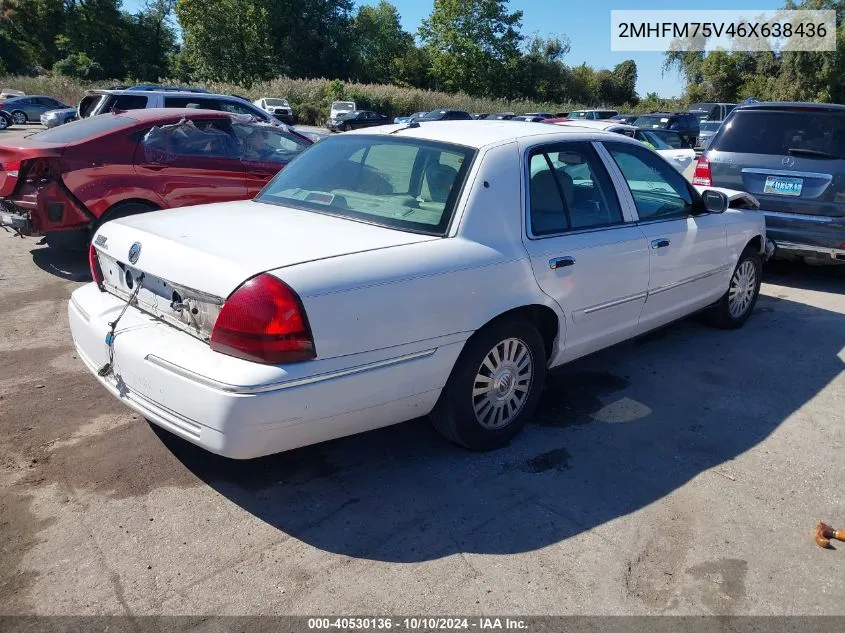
(791, 157)
(684, 123)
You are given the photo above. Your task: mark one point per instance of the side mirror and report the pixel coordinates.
(714, 201)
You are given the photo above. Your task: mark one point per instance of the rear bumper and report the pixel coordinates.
(242, 410)
(14, 218)
(806, 236)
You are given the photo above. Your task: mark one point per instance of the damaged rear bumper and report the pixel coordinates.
(14, 218)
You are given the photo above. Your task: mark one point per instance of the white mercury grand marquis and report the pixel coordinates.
(419, 269)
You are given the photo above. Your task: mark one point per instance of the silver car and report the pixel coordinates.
(707, 130)
(791, 157)
(30, 108)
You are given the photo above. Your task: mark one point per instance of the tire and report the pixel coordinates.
(464, 418)
(737, 304)
(123, 210)
(4, 122)
(19, 117)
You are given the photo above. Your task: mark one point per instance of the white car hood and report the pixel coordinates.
(214, 248)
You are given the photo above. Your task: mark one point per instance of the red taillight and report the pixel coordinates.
(94, 263)
(264, 321)
(702, 175)
(12, 167)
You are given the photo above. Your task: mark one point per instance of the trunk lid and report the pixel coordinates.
(204, 253)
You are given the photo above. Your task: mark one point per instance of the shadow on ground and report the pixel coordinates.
(613, 434)
(801, 276)
(64, 264)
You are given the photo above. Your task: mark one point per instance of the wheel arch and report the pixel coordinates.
(149, 204)
(543, 317)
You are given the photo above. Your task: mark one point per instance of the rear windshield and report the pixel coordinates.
(82, 129)
(709, 126)
(777, 132)
(402, 183)
(652, 121)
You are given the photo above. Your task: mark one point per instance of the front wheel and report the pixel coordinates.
(19, 117)
(4, 122)
(738, 302)
(494, 387)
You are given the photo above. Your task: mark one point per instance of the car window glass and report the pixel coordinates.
(190, 140)
(88, 105)
(776, 132)
(547, 212)
(327, 179)
(237, 108)
(196, 102)
(267, 144)
(588, 193)
(659, 191)
(129, 102)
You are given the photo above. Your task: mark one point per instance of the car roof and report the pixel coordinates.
(779, 105)
(482, 133)
(159, 114)
(603, 124)
(169, 93)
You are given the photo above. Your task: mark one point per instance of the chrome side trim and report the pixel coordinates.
(615, 302)
(808, 248)
(821, 219)
(80, 309)
(689, 280)
(786, 174)
(285, 384)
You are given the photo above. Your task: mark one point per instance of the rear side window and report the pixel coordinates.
(569, 189)
(83, 129)
(129, 102)
(196, 102)
(777, 132)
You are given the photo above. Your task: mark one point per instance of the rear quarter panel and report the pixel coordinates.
(100, 172)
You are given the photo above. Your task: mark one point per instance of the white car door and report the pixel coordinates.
(586, 253)
(689, 264)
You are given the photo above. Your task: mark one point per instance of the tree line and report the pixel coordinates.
(472, 46)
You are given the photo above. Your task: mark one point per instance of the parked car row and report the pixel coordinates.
(64, 182)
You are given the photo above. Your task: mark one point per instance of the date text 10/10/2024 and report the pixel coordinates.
(416, 623)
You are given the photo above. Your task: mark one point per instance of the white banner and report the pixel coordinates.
(733, 30)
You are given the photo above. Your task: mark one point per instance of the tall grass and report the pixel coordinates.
(311, 98)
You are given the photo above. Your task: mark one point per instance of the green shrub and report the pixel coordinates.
(311, 98)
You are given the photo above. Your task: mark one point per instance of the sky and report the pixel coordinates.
(587, 25)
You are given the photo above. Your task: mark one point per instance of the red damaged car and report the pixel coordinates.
(64, 182)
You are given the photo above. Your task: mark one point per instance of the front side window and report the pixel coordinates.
(403, 183)
(660, 192)
(569, 189)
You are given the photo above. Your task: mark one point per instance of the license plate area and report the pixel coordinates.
(783, 186)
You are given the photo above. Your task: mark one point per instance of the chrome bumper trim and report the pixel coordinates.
(833, 253)
(286, 384)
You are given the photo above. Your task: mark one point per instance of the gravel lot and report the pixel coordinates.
(681, 473)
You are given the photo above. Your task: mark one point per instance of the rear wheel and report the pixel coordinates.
(738, 302)
(124, 210)
(19, 117)
(4, 122)
(494, 387)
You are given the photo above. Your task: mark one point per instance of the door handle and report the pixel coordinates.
(561, 262)
(660, 243)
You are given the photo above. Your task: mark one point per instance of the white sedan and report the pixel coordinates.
(679, 157)
(407, 270)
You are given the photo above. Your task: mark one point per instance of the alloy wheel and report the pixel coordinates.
(502, 383)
